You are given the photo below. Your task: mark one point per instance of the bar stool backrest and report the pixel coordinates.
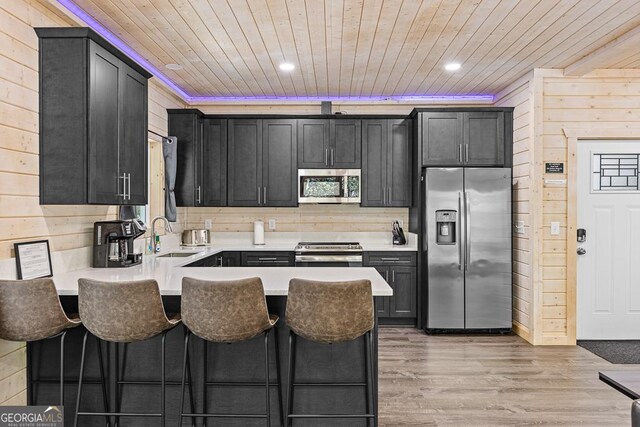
(121, 311)
(225, 311)
(30, 310)
(330, 312)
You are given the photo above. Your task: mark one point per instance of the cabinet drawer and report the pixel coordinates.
(390, 258)
(267, 259)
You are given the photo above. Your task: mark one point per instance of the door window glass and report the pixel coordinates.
(615, 172)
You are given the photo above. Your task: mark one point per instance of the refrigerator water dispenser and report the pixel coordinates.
(446, 227)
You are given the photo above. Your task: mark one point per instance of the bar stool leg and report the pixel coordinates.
(205, 420)
(191, 396)
(291, 376)
(266, 374)
(277, 345)
(367, 356)
(62, 336)
(103, 381)
(162, 381)
(80, 379)
(122, 370)
(370, 396)
(184, 374)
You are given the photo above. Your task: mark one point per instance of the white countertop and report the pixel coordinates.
(168, 272)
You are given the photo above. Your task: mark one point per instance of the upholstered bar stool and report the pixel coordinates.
(229, 312)
(123, 312)
(329, 313)
(30, 311)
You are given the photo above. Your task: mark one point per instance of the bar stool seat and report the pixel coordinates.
(330, 313)
(123, 312)
(229, 312)
(30, 311)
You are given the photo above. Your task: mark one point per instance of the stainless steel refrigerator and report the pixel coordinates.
(467, 246)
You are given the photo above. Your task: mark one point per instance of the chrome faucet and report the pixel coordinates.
(167, 227)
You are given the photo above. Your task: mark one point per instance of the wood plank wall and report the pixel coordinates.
(518, 95)
(21, 216)
(304, 218)
(600, 99)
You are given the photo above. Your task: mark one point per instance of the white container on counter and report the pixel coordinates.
(258, 233)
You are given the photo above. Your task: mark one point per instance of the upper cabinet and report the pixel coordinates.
(93, 121)
(466, 137)
(329, 143)
(262, 162)
(201, 178)
(386, 163)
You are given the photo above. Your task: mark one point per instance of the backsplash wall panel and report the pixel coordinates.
(303, 218)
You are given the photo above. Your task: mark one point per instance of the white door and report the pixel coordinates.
(608, 288)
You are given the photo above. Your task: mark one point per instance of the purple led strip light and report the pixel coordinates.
(100, 29)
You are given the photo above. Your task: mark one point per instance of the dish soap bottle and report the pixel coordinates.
(157, 244)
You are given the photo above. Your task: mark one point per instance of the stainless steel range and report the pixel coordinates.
(328, 254)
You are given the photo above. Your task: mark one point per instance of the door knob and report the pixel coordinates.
(581, 251)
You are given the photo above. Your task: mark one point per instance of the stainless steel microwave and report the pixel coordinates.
(329, 185)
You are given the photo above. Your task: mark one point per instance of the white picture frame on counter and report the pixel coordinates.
(33, 260)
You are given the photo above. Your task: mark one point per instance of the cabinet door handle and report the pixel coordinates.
(386, 276)
(332, 157)
(264, 198)
(393, 276)
(460, 153)
(124, 186)
(259, 196)
(198, 195)
(389, 198)
(466, 153)
(220, 261)
(389, 259)
(326, 157)
(268, 259)
(384, 196)
(129, 186)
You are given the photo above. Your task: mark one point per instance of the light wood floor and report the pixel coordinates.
(492, 380)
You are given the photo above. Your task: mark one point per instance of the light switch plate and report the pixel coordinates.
(555, 228)
(208, 224)
(272, 224)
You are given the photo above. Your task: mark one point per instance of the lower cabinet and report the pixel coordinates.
(400, 272)
(267, 259)
(221, 259)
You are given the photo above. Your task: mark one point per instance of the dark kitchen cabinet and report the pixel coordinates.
(442, 135)
(231, 259)
(267, 259)
(279, 163)
(245, 162)
(201, 175)
(386, 163)
(93, 121)
(400, 272)
(262, 162)
(214, 163)
(187, 126)
(221, 259)
(484, 138)
(329, 143)
(404, 284)
(465, 138)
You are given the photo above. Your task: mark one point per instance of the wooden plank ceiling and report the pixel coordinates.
(362, 48)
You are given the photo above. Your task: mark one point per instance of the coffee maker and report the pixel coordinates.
(113, 243)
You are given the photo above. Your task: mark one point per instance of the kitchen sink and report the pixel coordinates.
(178, 254)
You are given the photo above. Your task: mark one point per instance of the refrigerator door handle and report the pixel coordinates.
(467, 237)
(459, 231)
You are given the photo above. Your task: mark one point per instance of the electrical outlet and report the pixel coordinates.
(555, 228)
(208, 224)
(272, 224)
(401, 222)
(519, 227)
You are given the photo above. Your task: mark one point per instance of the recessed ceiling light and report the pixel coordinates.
(287, 66)
(174, 67)
(453, 66)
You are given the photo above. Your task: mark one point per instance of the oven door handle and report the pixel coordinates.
(328, 258)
